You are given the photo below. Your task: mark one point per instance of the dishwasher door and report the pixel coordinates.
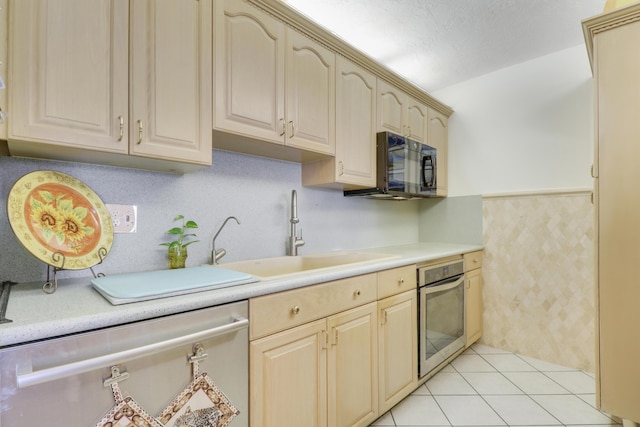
(60, 382)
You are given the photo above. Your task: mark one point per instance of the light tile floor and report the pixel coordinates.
(485, 386)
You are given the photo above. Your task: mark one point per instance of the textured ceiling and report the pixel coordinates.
(437, 43)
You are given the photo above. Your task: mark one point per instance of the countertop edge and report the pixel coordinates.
(76, 307)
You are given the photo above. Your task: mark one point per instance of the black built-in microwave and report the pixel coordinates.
(406, 169)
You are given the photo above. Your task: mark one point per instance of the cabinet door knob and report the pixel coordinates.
(295, 310)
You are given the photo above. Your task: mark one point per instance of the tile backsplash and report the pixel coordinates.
(538, 270)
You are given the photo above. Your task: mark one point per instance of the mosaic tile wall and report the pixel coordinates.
(538, 272)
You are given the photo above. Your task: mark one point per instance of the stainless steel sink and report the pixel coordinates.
(269, 268)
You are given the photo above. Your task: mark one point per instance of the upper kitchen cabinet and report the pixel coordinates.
(311, 90)
(400, 113)
(354, 164)
(113, 82)
(438, 137)
(272, 85)
(171, 87)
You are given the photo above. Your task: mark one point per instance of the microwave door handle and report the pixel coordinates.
(432, 181)
(434, 174)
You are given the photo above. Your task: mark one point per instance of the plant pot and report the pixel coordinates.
(177, 256)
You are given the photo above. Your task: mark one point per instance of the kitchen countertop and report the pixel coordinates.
(77, 307)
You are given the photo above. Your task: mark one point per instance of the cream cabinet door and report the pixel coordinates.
(417, 119)
(353, 367)
(616, 68)
(69, 65)
(391, 107)
(398, 359)
(438, 137)
(473, 310)
(288, 385)
(249, 72)
(400, 113)
(171, 84)
(310, 93)
(355, 125)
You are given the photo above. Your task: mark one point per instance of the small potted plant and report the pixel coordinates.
(177, 252)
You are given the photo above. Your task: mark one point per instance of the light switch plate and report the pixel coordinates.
(123, 217)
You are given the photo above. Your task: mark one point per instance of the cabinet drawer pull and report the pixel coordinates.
(121, 121)
(357, 293)
(139, 132)
(401, 281)
(295, 310)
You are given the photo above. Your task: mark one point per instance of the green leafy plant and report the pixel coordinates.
(182, 234)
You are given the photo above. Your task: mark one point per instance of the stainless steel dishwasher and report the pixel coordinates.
(61, 381)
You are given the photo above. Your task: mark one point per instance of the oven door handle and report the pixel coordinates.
(28, 379)
(445, 286)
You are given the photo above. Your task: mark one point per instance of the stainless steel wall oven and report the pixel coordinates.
(441, 313)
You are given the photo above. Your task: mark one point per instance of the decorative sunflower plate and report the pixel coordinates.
(60, 220)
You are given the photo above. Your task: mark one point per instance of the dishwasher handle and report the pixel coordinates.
(28, 379)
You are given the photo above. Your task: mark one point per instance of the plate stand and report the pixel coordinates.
(50, 286)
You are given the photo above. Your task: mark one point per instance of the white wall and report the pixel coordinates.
(528, 127)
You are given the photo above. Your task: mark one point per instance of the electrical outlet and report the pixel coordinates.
(124, 218)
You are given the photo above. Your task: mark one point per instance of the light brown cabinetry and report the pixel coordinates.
(397, 335)
(438, 137)
(399, 113)
(105, 81)
(473, 296)
(333, 354)
(612, 40)
(316, 363)
(352, 360)
(354, 164)
(272, 84)
(288, 378)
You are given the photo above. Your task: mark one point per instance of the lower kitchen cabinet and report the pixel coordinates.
(397, 344)
(473, 296)
(353, 367)
(332, 354)
(288, 385)
(318, 374)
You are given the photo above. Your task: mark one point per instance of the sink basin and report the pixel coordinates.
(268, 268)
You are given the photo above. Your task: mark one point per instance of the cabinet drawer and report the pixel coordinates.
(472, 260)
(396, 280)
(284, 310)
